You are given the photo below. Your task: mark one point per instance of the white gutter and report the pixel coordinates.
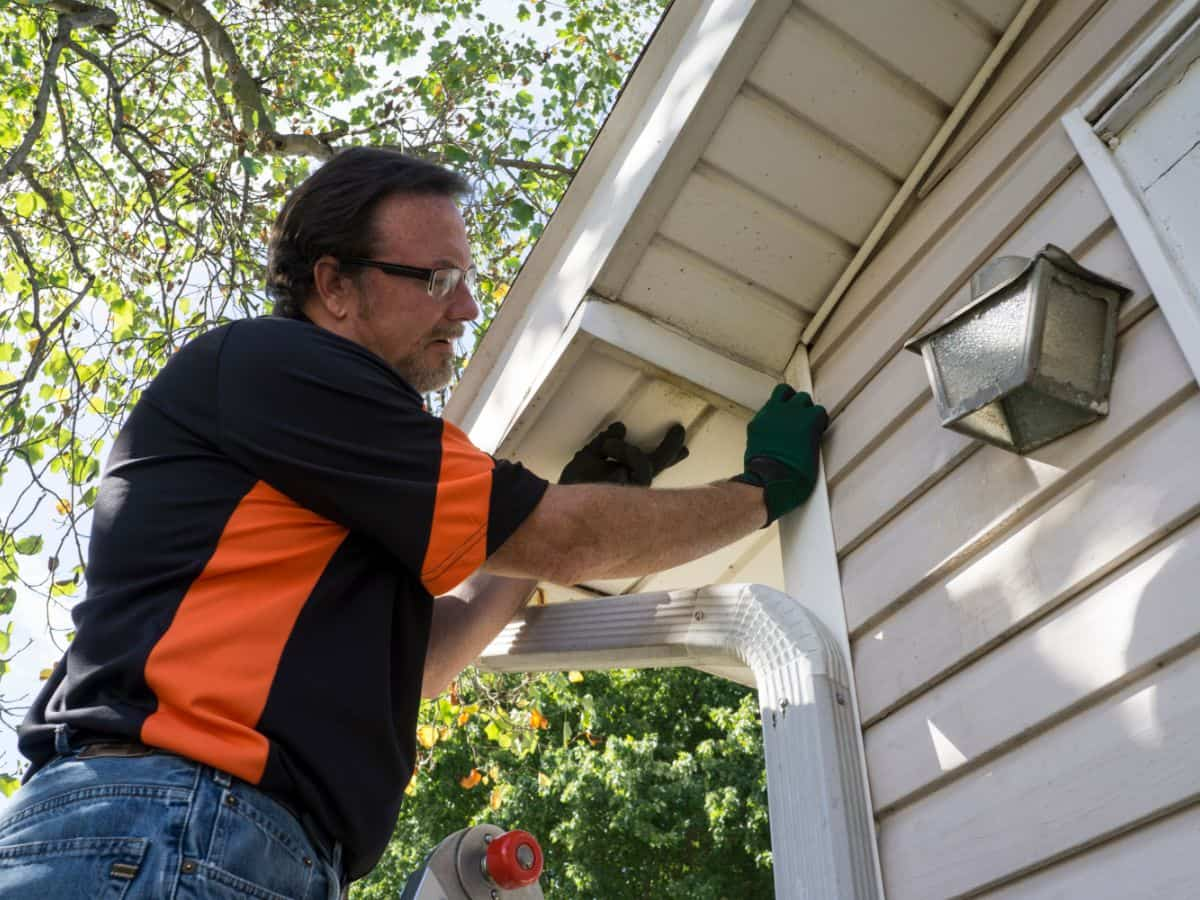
(928, 158)
(821, 833)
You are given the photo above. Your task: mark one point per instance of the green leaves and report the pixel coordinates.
(522, 212)
(26, 203)
(28, 546)
(671, 762)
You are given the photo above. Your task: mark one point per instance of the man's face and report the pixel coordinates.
(396, 318)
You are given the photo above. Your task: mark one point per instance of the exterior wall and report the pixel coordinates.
(1025, 631)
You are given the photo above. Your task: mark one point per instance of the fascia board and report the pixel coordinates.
(533, 319)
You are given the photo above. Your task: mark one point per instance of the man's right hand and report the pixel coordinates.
(608, 457)
(782, 450)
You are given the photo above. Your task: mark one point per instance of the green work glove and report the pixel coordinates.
(608, 457)
(782, 444)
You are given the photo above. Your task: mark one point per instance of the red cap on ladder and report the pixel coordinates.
(514, 860)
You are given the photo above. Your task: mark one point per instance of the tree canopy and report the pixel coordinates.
(637, 784)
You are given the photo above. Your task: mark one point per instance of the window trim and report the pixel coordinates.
(1093, 128)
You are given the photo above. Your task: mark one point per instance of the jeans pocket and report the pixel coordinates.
(257, 842)
(87, 868)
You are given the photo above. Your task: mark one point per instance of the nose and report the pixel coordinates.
(463, 306)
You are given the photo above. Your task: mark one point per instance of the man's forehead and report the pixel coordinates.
(429, 224)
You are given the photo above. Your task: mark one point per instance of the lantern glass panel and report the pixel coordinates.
(988, 424)
(1075, 327)
(1037, 418)
(985, 349)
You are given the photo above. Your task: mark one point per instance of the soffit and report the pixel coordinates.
(751, 218)
(833, 116)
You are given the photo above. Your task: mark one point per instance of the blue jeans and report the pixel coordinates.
(158, 827)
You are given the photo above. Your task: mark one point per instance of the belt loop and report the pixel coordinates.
(224, 779)
(62, 740)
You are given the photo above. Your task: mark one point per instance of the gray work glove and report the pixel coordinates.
(608, 457)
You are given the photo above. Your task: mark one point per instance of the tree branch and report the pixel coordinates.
(533, 166)
(256, 119)
(80, 16)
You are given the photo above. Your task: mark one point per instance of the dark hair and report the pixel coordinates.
(331, 213)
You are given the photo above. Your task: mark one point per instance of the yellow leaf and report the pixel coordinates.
(63, 507)
(537, 720)
(574, 677)
(500, 291)
(543, 780)
(464, 717)
(469, 781)
(494, 773)
(496, 799)
(44, 674)
(427, 736)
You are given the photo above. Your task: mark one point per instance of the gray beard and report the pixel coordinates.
(425, 378)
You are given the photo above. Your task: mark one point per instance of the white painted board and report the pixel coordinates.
(1114, 764)
(1138, 615)
(763, 145)
(831, 80)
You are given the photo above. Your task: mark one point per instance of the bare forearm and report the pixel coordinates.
(465, 621)
(608, 531)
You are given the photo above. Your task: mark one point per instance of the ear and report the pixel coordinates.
(333, 289)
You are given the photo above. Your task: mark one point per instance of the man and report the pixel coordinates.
(236, 714)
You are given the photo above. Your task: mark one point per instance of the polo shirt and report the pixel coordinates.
(272, 524)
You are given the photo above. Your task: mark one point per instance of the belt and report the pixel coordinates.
(96, 748)
(91, 749)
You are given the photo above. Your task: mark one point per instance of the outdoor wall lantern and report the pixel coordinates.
(1030, 358)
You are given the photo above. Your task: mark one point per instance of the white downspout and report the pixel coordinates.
(821, 833)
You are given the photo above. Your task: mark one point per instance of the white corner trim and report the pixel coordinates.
(811, 575)
(1145, 71)
(1170, 288)
(821, 828)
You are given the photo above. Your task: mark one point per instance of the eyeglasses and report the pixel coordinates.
(440, 283)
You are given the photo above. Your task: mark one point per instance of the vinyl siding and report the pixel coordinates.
(1024, 630)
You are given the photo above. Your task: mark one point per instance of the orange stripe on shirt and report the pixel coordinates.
(213, 667)
(458, 535)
